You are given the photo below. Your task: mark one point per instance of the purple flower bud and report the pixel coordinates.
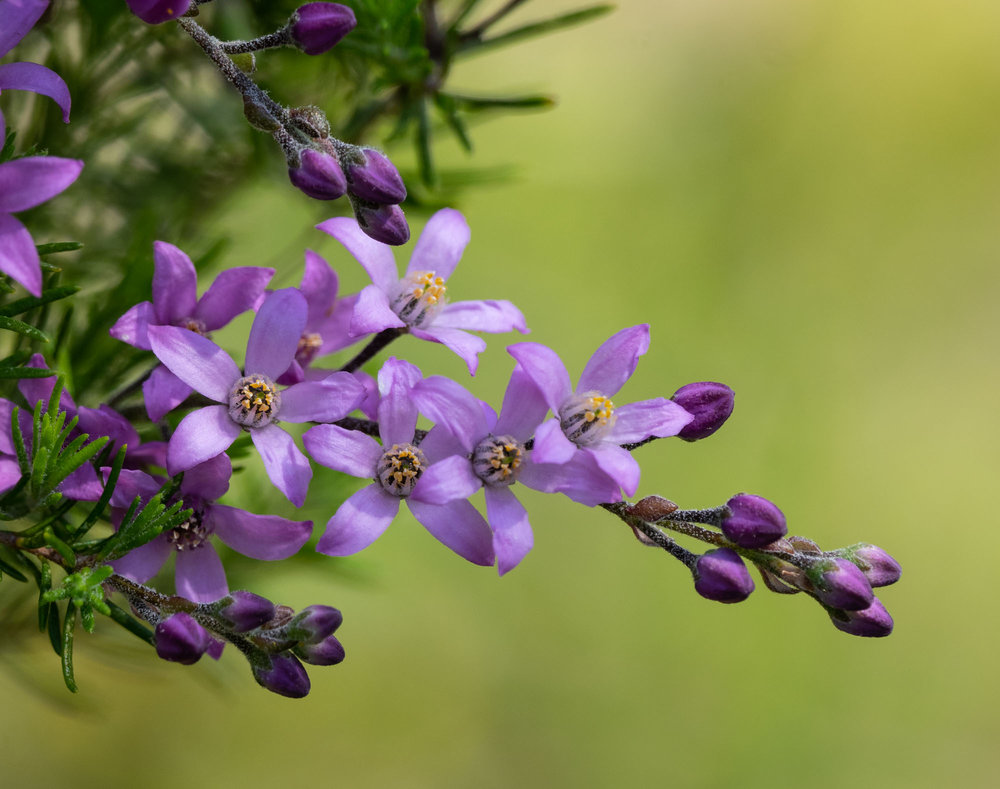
(180, 639)
(327, 652)
(721, 575)
(318, 27)
(385, 223)
(840, 584)
(284, 676)
(878, 566)
(871, 622)
(376, 179)
(246, 610)
(314, 623)
(318, 175)
(155, 11)
(753, 521)
(710, 404)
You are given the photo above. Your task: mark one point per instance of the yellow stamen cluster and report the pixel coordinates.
(419, 298)
(254, 401)
(600, 408)
(399, 469)
(429, 287)
(586, 418)
(497, 459)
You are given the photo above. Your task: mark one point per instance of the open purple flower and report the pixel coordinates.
(176, 303)
(396, 465)
(199, 575)
(417, 302)
(250, 400)
(586, 420)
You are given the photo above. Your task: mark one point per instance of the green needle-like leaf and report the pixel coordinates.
(58, 246)
(54, 630)
(109, 489)
(66, 647)
(25, 372)
(30, 302)
(14, 325)
(476, 45)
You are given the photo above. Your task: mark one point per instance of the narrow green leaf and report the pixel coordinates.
(68, 463)
(55, 636)
(44, 584)
(58, 246)
(30, 302)
(424, 154)
(61, 547)
(13, 572)
(19, 446)
(475, 103)
(8, 146)
(130, 623)
(66, 647)
(447, 106)
(463, 12)
(476, 45)
(109, 489)
(14, 325)
(26, 372)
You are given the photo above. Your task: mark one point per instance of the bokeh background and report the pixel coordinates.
(801, 197)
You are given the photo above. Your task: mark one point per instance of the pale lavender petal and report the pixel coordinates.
(151, 453)
(441, 244)
(37, 79)
(142, 563)
(163, 392)
(197, 361)
(447, 403)
(447, 480)
(374, 256)
(546, 369)
(372, 313)
(82, 484)
(524, 407)
(209, 480)
(18, 16)
(10, 473)
(131, 327)
(581, 480)
(6, 437)
(319, 286)
(328, 400)
(459, 526)
(275, 334)
(439, 443)
(265, 537)
(18, 256)
(105, 421)
(175, 284)
(40, 389)
(359, 522)
(132, 483)
(614, 362)
(27, 182)
(233, 292)
(335, 329)
(467, 346)
(284, 462)
(397, 413)
(638, 421)
(343, 450)
(369, 406)
(201, 436)
(551, 444)
(512, 536)
(618, 464)
(490, 315)
(199, 575)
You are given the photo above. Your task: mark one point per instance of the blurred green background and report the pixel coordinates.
(801, 198)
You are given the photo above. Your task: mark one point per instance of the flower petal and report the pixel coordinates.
(618, 464)
(523, 408)
(199, 574)
(397, 413)
(467, 346)
(551, 444)
(614, 362)
(581, 480)
(265, 537)
(319, 285)
(447, 480)
(328, 400)
(491, 315)
(132, 483)
(40, 389)
(209, 480)
(163, 392)
(439, 443)
(343, 450)
(19, 16)
(275, 334)
(512, 535)
(657, 417)
(372, 313)
(142, 563)
(132, 327)
(196, 360)
(287, 467)
(233, 292)
(10, 473)
(18, 256)
(374, 256)
(27, 182)
(447, 403)
(37, 79)
(546, 369)
(335, 329)
(441, 244)
(459, 526)
(201, 436)
(7, 446)
(359, 522)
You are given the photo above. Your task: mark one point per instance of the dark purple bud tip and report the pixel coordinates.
(318, 175)
(328, 652)
(878, 566)
(314, 623)
(722, 576)
(181, 640)
(753, 521)
(246, 610)
(285, 676)
(318, 27)
(840, 584)
(154, 12)
(871, 622)
(709, 403)
(385, 223)
(376, 179)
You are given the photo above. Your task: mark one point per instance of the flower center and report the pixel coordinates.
(420, 297)
(189, 535)
(587, 418)
(254, 401)
(399, 468)
(309, 345)
(497, 460)
(193, 324)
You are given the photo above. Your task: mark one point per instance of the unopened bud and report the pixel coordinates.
(878, 566)
(318, 175)
(318, 27)
(328, 652)
(840, 584)
(871, 622)
(753, 521)
(313, 624)
(154, 12)
(310, 119)
(245, 610)
(180, 639)
(385, 223)
(711, 405)
(722, 576)
(258, 115)
(376, 179)
(283, 675)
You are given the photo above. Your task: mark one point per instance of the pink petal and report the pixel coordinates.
(319, 285)
(209, 480)
(459, 526)
(37, 79)
(447, 403)
(132, 327)
(372, 313)
(275, 334)
(175, 284)
(359, 522)
(201, 436)
(638, 421)
(524, 407)
(18, 256)
(441, 244)
(618, 464)
(546, 369)
(374, 256)
(397, 413)
(284, 462)
(614, 362)
(199, 574)
(266, 537)
(197, 361)
(447, 480)
(328, 400)
(467, 346)
(233, 292)
(163, 392)
(551, 444)
(343, 450)
(512, 535)
(27, 182)
(489, 316)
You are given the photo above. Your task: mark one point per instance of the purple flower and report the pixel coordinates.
(283, 675)
(199, 575)
(753, 521)
(587, 422)
(417, 302)
(396, 466)
(878, 566)
(871, 622)
(318, 175)
(710, 403)
(840, 584)
(154, 12)
(318, 27)
(384, 223)
(722, 576)
(181, 640)
(250, 400)
(375, 179)
(176, 303)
